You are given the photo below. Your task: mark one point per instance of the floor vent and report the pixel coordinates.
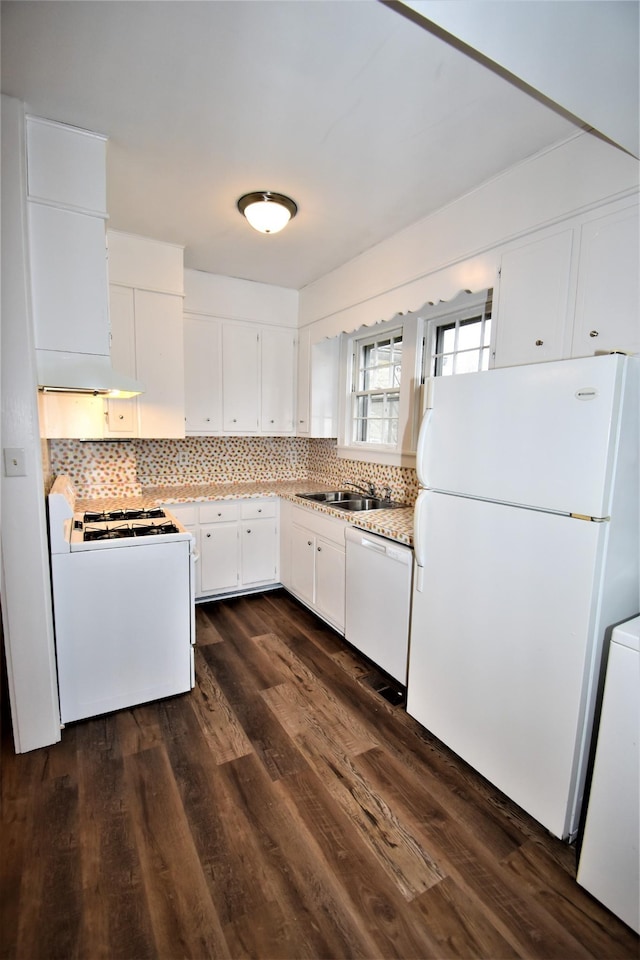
(393, 692)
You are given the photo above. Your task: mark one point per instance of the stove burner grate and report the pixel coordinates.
(106, 516)
(123, 532)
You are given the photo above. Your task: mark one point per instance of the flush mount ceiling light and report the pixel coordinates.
(266, 211)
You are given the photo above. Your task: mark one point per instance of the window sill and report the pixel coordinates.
(371, 454)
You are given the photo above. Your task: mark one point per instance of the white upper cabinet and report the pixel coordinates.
(303, 381)
(66, 173)
(69, 280)
(278, 364)
(159, 364)
(146, 303)
(240, 356)
(533, 296)
(240, 378)
(66, 166)
(318, 384)
(607, 313)
(147, 334)
(202, 375)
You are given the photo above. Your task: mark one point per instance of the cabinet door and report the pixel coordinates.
(202, 375)
(302, 563)
(533, 301)
(325, 367)
(159, 364)
(240, 378)
(218, 557)
(258, 545)
(330, 581)
(69, 280)
(286, 524)
(121, 414)
(303, 381)
(608, 299)
(278, 375)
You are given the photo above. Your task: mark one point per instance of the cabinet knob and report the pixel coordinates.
(248, 531)
(271, 421)
(208, 419)
(234, 420)
(309, 543)
(593, 333)
(319, 549)
(219, 513)
(208, 535)
(539, 343)
(259, 509)
(121, 416)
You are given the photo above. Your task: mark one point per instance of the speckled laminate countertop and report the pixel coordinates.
(397, 524)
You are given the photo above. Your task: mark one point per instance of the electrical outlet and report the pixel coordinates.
(14, 462)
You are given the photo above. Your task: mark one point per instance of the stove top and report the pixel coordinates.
(120, 531)
(155, 513)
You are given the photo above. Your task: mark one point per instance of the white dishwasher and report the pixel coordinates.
(378, 600)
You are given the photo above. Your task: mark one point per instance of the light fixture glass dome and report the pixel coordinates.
(267, 212)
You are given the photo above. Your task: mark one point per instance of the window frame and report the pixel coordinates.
(462, 309)
(401, 453)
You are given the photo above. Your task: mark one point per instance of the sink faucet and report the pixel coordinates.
(369, 489)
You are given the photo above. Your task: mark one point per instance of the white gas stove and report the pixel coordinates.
(124, 618)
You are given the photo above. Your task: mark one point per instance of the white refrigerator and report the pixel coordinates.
(526, 553)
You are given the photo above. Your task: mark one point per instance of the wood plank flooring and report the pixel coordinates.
(282, 809)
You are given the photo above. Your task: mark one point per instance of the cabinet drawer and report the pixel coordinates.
(219, 511)
(255, 509)
(186, 513)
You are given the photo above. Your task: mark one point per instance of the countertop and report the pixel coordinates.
(397, 523)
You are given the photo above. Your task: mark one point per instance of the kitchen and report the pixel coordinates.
(607, 174)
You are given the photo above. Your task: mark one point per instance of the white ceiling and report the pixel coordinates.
(365, 118)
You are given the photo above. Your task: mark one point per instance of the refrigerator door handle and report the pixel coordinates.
(422, 447)
(419, 546)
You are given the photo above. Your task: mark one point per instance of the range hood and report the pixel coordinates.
(93, 374)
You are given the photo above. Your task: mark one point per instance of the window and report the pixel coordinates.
(376, 389)
(379, 371)
(459, 341)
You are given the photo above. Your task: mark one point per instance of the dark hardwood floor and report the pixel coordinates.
(283, 809)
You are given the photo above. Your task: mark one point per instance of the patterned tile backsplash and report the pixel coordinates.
(122, 469)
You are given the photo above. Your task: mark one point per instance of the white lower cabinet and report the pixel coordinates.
(316, 572)
(237, 542)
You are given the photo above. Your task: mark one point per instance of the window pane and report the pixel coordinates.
(446, 366)
(469, 334)
(487, 332)
(468, 362)
(393, 405)
(484, 362)
(448, 338)
(375, 406)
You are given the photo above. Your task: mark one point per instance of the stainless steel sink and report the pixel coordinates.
(330, 496)
(350, 500)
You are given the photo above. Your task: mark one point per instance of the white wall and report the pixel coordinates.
(26, 592)
(459, 247)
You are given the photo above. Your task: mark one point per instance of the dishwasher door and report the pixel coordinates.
(378, 603)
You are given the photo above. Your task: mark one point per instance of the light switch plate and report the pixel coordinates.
(14, 462)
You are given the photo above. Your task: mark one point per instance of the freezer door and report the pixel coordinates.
(544, 435)
(502, 651)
